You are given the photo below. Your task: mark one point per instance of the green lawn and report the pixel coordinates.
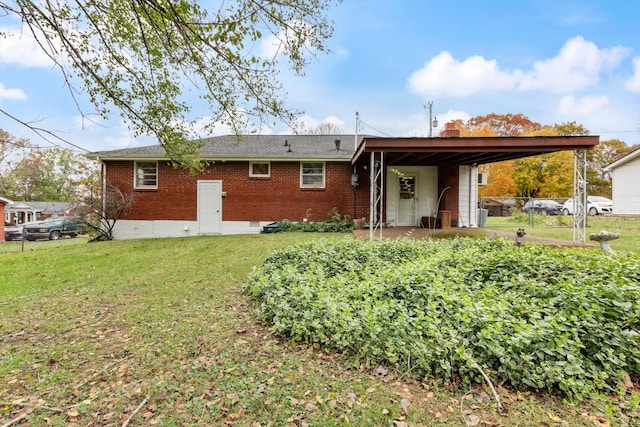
(560, 227)
(159, 331)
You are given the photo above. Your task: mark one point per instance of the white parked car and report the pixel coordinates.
(596, 205)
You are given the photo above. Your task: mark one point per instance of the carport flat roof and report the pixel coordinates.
(467, 151)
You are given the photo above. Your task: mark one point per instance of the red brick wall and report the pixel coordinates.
(248, 198)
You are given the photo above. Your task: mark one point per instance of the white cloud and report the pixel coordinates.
(342, 52)
(12, 94)
(444, 75)
(278, 44)
(633, 84)
(207, 126)
(572, 16)
(119, 141)
(306, 123)
(452, 115)
(93, 133)
(334, 120)
(585, 106)
(20, 48)
(412, 125)
(577, 66)
(271, 47)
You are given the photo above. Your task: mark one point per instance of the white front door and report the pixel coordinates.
(407, 200)
(209, 206)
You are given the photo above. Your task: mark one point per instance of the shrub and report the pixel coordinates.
(335, 224)
(536, 317)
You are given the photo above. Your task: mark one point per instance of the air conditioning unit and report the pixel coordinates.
(483, 178)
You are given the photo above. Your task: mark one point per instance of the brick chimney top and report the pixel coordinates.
(451, 130)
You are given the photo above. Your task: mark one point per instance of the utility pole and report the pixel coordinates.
(355, 148)
(432, 122)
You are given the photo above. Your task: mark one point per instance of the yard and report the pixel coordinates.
(159, 332)
(560, 227)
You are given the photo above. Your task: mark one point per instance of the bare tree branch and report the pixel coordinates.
(103, 210)
(143, 57)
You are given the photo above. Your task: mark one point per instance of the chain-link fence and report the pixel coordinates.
(532, 212)
(27, 246)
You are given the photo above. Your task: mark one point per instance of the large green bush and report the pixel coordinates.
(533, 316)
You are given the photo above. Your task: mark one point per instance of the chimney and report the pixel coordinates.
(451, 130)
(337, 141)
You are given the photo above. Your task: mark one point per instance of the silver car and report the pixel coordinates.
(12, 232)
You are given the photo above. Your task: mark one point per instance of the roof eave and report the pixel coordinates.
(514, 145)
(218, 158)
(622, 160)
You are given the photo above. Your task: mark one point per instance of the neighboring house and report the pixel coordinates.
(23, 212)
(499, 206)
(258, 179)
(625, 183)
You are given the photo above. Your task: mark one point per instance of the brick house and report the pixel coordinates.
(260, 179)
(23, 212)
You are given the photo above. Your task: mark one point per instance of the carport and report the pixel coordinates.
(448, 168)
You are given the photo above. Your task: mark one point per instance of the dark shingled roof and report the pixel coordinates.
(44, 207)
(406, 151)
(267, 147)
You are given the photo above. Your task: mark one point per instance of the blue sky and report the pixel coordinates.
(553, 61)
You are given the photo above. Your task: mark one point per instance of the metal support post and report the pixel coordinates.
(579, 195)
(376, 195)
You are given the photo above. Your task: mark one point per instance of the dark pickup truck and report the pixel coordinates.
(54, 228)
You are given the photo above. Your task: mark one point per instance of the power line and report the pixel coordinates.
(44, 133)
(379, 131)
(617, 131)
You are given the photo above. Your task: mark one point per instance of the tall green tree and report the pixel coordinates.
(12, 153)
(53, 174)
(548, 175)
(571, 129)
(145, 59)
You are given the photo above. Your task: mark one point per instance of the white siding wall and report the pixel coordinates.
(626, 188)
(468, 196)
(427, 187)
(391, 189)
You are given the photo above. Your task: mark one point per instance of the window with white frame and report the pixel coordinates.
(260, 169)
(146, 175)
(312, 175)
